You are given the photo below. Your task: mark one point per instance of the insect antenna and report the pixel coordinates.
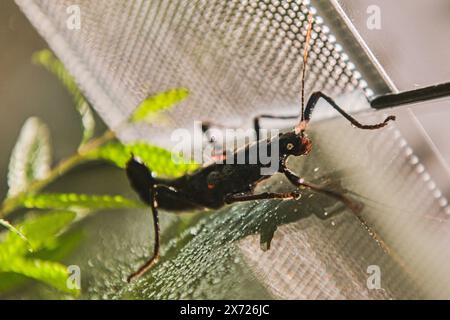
(305, 60)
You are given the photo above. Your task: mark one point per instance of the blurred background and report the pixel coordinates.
(28, 90)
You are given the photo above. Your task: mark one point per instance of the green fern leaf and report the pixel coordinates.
(52, 273)
(67, 242)
(13, 229)
(75, 201)
(40, 231)
(46, 59)
(161, 161)
(147, 110)
(31, 156)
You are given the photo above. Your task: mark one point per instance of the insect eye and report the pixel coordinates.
(290, 146)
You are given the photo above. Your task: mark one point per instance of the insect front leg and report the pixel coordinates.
(352, 205)
(314, 98)
(299, 182)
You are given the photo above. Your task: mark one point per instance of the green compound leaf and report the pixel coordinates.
(13, 229)
(31, 157)
(67, 242)
(77, 201)
(159, 160)
(16, 262)
(148, 109)
(46, 59)
(40, 231)
(52, 273)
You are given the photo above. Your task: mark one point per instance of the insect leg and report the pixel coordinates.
(178, 201)
(352, 205)
(298, 182)
(239, 197)
(317, 95)
(267, 232)
(155, 257)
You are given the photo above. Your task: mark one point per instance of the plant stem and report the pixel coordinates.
(65, 165)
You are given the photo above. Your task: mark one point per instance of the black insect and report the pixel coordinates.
(221, 183)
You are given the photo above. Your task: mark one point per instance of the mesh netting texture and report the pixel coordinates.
(238, 58)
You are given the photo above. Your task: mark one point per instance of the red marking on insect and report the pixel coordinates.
(307, 143)
(219, 157)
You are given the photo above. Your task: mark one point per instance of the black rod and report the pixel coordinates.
(412, 96)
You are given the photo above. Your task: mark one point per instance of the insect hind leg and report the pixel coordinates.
(155, 257)
(168, 198)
